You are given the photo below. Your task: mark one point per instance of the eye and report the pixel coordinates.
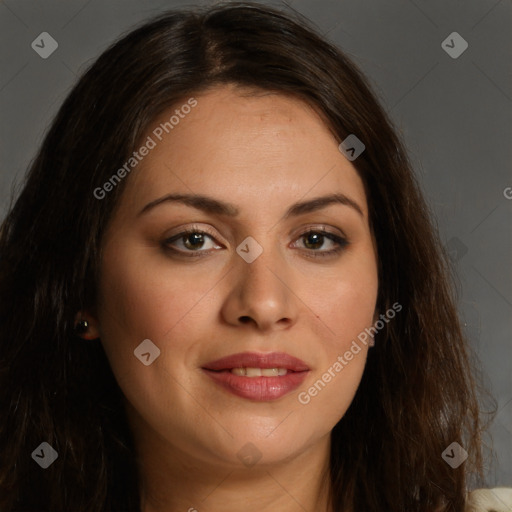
(315, 239)
(191, 241)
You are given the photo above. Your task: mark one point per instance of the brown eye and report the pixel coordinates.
(190, 241)
(315, 240)
(195, 240)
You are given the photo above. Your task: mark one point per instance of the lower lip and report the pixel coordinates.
(260, 389)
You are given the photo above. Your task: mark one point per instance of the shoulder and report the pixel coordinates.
(498, 499)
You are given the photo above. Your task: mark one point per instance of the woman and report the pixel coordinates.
(221, 288)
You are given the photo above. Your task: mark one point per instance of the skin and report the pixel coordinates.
(261, 153)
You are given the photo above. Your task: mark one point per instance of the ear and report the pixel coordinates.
(92, 332)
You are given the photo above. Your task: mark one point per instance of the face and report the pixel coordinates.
(266, 267)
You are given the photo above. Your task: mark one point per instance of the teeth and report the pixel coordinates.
(259, 372)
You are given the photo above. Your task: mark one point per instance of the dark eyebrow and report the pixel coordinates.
(210, 205)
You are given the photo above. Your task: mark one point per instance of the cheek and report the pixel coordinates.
(346, 304)
(344, 311)
(143, 297)
(146, 299)
(140, 299)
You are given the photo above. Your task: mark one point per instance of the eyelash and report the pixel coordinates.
(340, 241)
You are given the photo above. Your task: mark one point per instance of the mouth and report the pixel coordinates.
(258, 377)
(252, 363)
(256, 372)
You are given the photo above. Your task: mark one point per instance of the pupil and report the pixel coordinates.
(196, 237)
(313, 235)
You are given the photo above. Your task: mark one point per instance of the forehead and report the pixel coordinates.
(258, 146)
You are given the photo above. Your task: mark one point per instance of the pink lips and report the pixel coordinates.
(258, 388)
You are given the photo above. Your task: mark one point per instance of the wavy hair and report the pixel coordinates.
(417, 394)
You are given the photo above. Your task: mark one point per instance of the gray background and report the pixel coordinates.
(454, 115)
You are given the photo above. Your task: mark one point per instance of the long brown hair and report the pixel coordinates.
(417, 393)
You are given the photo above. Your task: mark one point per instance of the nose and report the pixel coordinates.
(261, 293)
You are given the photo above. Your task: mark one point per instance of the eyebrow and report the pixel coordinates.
(216, 207)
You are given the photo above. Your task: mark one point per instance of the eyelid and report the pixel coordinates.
(191, 228)
(301, 231)
(321, 228)
(339, 239)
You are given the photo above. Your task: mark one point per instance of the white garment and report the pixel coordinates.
(498, 499)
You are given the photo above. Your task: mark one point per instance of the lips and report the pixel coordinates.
(256, 360)
(258, 387)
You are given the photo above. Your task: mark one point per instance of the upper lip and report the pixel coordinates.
(258, 360)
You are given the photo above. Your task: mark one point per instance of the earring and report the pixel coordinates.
(82, 327)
